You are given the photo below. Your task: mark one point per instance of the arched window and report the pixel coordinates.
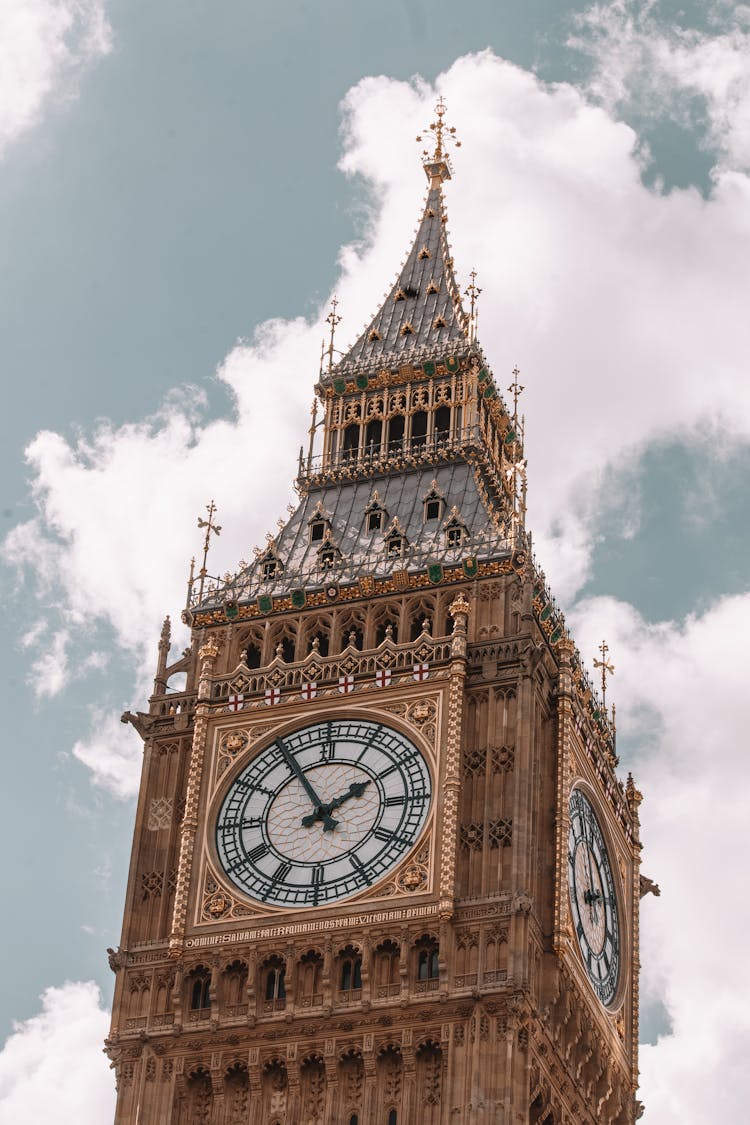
(354, 1119)
(351, 973)
(396, 433)
(252, 656)
(393, 1118)
(373, 436)
(199, 985)
(442, 423)
(419, 428)
(428, 965)
(351, 442)
(275, 988)
(428, 962)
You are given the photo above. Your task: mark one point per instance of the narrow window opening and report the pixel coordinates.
(351, 442)
(393, 1118)
(455, 536)
(419, 428)
(432, 510)
(442, 423)
(375, 519)
(396, 432)
(317, 530)
(373, 436)
(252, 656)
(270, 568)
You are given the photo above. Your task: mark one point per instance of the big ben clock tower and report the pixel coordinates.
(383, 870)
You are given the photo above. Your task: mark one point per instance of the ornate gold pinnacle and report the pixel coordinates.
(516, 389)
(442, 133)
(607, 669)
(211, 529)
(472, 291)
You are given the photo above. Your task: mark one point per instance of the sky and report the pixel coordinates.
(183, 187)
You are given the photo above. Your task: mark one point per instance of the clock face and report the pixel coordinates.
(593, 899)
(323, 813)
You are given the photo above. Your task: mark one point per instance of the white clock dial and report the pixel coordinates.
(593, 899)
(323, 813)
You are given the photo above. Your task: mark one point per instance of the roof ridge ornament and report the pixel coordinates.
(437, 164)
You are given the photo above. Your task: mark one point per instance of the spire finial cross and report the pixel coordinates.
(442, 132)
(211, 529)
(607, 667)
(516, 389)
(334, 320)
(472, 291)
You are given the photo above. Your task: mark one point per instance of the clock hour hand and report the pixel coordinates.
(356, 789)
(321, 809)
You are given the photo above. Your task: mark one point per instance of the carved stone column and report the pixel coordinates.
(208, 653)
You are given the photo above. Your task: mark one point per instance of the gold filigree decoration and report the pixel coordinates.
(413, 876)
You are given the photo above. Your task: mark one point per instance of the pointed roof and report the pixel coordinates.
(422, 314)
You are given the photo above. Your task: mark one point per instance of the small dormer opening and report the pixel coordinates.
(374, 335)
(432, 287)
(395, 542)
(439, 322)
(317, 530)
(399, 296)
(424, 253)
(432, 508)
(375, 519)
(327, 556)
(271, 567)
(454, 536)
(407, 329)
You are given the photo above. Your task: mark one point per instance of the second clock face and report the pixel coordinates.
(323, 813)
(593, 899)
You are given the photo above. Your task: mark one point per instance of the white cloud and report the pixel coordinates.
(680, 692)
(52, 1068)
(44, 46)
(645, 61)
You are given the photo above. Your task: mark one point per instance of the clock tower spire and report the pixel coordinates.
(383, 869)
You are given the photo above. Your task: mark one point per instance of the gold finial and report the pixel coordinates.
(472, 291)
(443, 134)
(334, 320)
(211, 528)
(607, 668)
(516, 389)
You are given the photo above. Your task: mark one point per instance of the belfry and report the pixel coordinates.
(383, 869)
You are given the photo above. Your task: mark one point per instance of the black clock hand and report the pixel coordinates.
(356, 789)
(320, 808)
(592, 894)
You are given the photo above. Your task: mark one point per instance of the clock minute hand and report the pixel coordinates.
(328, 822)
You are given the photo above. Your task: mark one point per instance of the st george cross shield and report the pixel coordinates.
(346, 684)
(383, 677)
(309, 691)
(272, 695)
(421, 671)
(236, 702)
